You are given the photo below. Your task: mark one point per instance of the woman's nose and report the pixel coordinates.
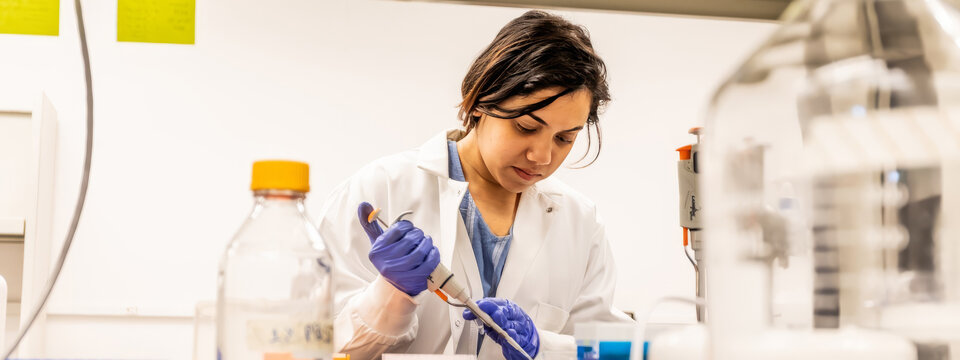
(539, 153)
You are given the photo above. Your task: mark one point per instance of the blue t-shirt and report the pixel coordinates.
(490, 250)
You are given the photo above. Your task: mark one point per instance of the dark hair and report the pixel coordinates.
(533, 52)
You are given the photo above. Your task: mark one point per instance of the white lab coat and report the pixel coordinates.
(559, 268)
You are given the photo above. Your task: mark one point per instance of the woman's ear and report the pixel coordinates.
(475, 116)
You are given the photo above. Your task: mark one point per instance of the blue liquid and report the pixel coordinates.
(608, 350)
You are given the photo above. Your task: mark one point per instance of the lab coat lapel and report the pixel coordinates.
(453, 243)
(433, 158)
(451, 229)
(535, 214)
(466, 270)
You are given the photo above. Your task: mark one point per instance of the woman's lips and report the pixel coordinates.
(523, 174)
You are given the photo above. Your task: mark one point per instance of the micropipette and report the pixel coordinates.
(442, 283)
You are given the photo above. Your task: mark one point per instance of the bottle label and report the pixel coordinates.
(289, 336)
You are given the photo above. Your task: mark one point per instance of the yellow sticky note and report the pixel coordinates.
(156, 21)
(30, 17)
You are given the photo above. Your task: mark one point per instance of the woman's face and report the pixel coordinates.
(519, 152)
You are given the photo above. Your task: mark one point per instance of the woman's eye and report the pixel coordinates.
(525, 130)
(564, 140)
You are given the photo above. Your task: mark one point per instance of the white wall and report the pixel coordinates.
(336, 84)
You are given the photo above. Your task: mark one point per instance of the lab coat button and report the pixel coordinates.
(550, 209)
(458, 323)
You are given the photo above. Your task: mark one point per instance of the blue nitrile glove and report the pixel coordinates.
(514, 321)
(403, 254)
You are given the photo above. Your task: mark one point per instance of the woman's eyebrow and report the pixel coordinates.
(539, 120)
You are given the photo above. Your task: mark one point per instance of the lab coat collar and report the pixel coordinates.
(433, 155)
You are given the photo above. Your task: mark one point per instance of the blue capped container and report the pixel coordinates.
(604, 341)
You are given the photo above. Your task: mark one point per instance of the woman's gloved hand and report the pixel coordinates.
(403, 255)
(514, 321)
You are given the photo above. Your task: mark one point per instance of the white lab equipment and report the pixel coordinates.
(832, 167)
(275, 292)
(42, 210)
(28, 147)
(691, 216)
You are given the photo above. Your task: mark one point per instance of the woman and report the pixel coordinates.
(531, 250)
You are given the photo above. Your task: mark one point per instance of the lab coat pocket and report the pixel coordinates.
(550, 318)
